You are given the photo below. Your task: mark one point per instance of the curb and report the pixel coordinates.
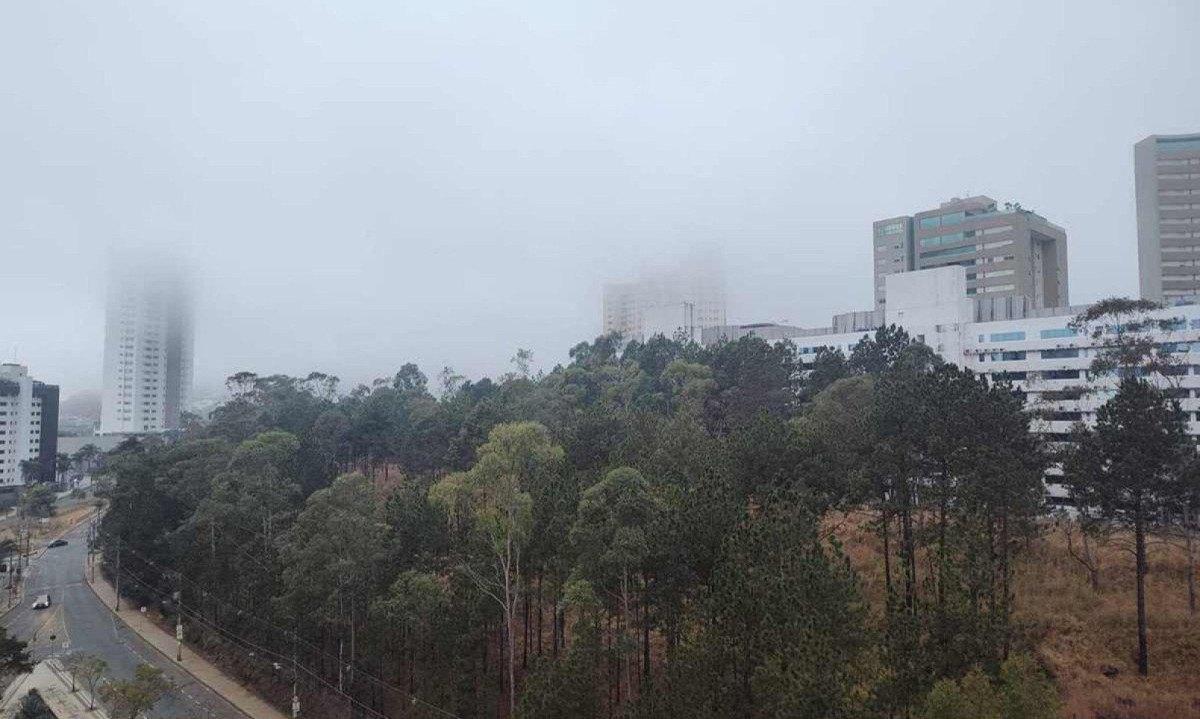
(180, 665)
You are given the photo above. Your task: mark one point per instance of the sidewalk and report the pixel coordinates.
(54, 685)
(204, 672)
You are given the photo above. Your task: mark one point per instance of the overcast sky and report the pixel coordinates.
(362, 183)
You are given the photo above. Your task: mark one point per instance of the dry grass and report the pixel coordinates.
(1081, 635)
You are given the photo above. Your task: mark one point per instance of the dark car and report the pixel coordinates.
(57, 543)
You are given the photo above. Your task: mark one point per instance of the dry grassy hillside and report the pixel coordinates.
(1088, 639)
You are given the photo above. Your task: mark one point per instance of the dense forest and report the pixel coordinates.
(651, 530)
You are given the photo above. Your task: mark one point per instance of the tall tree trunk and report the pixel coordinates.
(1191, 555)
(908, 554)
(626, 628)
(525, 629)
(539, 614)
(645, 635)
(1005, 580)
(886, 531)
(510, 599)
(1139, 531)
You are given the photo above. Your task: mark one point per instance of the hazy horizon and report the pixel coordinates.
(360, 186)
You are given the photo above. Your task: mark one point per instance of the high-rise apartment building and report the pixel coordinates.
(147, 348)
(1167, 183)
(1008, 251)
(668, 303)
(28, 427)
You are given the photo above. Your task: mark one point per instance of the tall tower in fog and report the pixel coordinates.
(681, 300)
(147, 347)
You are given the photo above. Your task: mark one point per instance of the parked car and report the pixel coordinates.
(57, 543)
(42, 602)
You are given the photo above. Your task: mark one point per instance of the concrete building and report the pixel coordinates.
(28, 425)
(685, 300)
(1167, 184)
(1008, 251)
(1032, 347)
(147, 348)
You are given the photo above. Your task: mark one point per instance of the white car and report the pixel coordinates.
(42, 602)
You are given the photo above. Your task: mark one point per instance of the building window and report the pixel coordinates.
(1057, 333)
(1060, 354)
(1007, 336)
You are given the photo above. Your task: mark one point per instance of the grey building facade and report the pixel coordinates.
(1167, 185)
(1007, 251)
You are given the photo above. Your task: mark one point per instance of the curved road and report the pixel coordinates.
(78, 622)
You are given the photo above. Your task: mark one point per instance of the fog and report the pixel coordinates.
(359, 184)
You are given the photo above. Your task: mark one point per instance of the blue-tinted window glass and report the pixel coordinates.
(1060, 354)
(1170, 146)
(934, 221)
(1178, 323)
(1056, 333)
(1011, 356)
(949, 251)
(953, 218)
(1007, 336)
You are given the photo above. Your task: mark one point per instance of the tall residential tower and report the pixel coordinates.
(1167, 183)
(1008, 251)
(147, 348)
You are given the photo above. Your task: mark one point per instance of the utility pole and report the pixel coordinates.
(179, 621)
(118, 582)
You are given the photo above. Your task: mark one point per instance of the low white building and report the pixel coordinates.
(1007, 339)
(28, 425)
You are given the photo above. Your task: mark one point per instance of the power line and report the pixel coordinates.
(249, 644)
(362, 673)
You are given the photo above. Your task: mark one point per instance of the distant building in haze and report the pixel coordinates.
(1008, 252)
(147, 348)
(1167, 183)
(28, 426)
(668, 303)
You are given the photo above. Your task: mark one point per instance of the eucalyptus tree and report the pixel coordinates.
(492, 502)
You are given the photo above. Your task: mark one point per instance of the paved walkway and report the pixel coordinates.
(54, 684)
(204, 671)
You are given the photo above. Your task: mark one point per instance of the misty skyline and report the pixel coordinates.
(361, 185)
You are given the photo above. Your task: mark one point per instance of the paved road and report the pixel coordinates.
(78, 622)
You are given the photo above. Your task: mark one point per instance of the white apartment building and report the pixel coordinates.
(669, 303)
(28, 424)
(148, 347)
(1006, 339)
